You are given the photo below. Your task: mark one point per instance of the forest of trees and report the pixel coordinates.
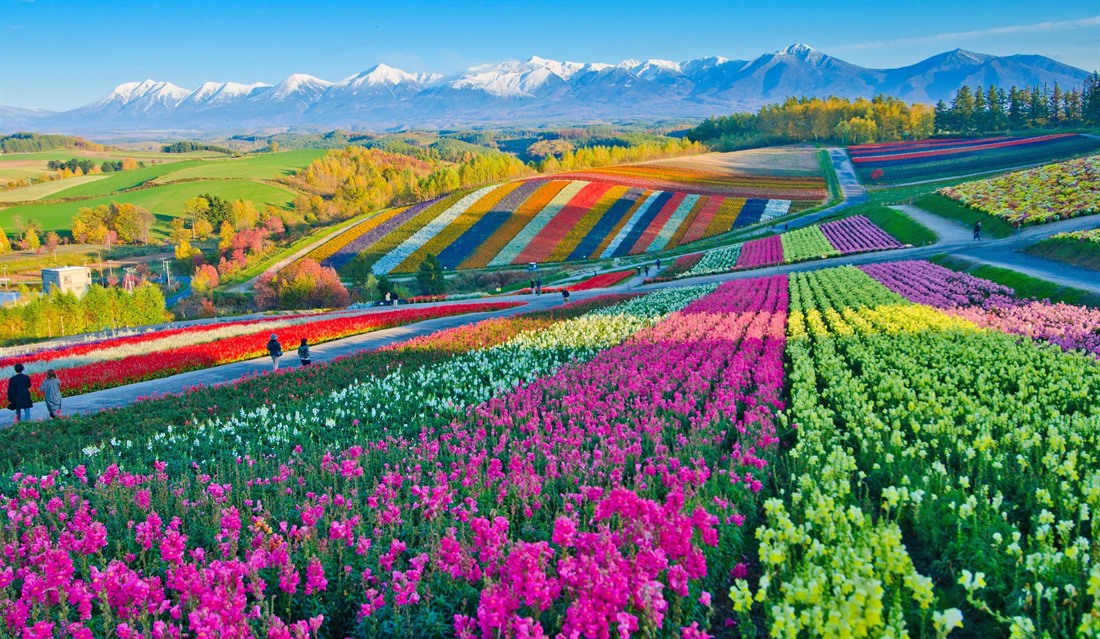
(187, 146)
(31, 142)
(346, 182)
(101, 308)
(122, 223)
(994, 109)
(831, 119)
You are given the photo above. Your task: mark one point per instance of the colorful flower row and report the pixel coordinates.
(900, 153)
(660, 177)
(806, 243)
(287, 543)
(857, 234)
(759, 253)
(918, 426)
(1036, 196)
(564, 220)
(992, 305)
(153, 364)
(604, 280)
(1084, 236)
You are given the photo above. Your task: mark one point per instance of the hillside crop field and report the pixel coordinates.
(164, 201)
(17, 166)
(599, 213)
(898, 449)
(927, 160)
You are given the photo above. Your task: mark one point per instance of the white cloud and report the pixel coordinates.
(1039, 27)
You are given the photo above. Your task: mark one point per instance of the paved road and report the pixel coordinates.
(851, 190)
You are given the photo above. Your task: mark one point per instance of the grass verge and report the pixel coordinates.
(1068, 250)
(944, 207)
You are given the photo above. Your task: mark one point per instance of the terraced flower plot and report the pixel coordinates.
(893, 163)
(595, 214)
(846, 452)
(1036, 196)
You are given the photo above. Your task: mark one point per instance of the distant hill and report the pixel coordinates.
(533, 90)
(24, 142)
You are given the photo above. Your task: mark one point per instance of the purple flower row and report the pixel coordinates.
(991, 305)
(364, 241)
(857, 234)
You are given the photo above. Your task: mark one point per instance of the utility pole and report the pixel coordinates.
(167, 272)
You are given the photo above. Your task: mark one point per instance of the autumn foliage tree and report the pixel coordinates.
(302, 285)
(205, 280)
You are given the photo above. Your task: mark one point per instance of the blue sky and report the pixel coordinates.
(60, 54)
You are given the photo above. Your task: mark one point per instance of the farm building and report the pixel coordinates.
(67, 279)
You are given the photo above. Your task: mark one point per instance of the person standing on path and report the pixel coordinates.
(275, 350)
(564, 296)
(19, 394)
(977, 230)
(51, 388)
(532, 285)
(303, 352)
(658, 263)
(538, 286)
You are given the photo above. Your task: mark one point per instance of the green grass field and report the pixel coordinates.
(17, 166)
(123, 180)
(47, 190)
(944, 207)
(266, 166)
(1068, 250)
(904, 228)
(1024, 285)
(164, 201)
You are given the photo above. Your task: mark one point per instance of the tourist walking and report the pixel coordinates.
(538, 286)
(977, 230)
(532, 285)
(19, 394)
(647, 270)
(564, 296)
(51, 389)
(275, 350)
(658, 264)
(303, 352)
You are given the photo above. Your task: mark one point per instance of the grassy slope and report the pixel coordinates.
(991, 226)
(1024, 285)
(124, 180)
(16, 166)
(164, 201)
(47, 189)
(1071, 251)
(266, 166)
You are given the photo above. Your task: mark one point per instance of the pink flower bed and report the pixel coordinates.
(767, 251)
(596, 501)
(857, 234)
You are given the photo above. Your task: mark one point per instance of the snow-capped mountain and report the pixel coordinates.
(536, 89)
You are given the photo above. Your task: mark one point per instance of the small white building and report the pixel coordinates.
(67, 279)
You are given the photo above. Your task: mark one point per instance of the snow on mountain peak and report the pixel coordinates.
(799, 50)
(299, 83)
(149, 92)
(516, 79)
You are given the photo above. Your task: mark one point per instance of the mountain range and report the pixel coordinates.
(529, 91)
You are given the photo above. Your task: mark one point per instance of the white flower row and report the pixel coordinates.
(774, 209)
(673, 223)
(445, 389)
(625, 230)
(514, 247)
(391, 260)
(716, 261)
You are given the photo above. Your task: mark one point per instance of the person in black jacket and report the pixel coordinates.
(19, 394)
(275, 350)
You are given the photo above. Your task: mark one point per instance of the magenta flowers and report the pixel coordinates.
(766, 251)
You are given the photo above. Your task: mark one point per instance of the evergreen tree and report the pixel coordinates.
(430, 278)
(1090, 99)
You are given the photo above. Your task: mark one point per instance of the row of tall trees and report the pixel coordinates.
(86, 166)
(993, 108)
(830, 119)
(101, 308)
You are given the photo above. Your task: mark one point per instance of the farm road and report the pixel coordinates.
(851, 190)
(125, 395)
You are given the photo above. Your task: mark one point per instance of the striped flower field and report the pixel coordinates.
(595, 214)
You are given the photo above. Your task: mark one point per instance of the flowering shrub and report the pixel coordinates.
(1036, 196)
